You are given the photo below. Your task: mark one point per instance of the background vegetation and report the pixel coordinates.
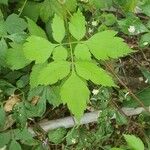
(66, 57)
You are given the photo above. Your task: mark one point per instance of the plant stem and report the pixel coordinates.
(71, 52)
(22, 7)
(130, 92)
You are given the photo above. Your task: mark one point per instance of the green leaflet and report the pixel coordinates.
(14, 54)
(53, 96)
(58, 28)
(91, 71)
(4, 138)
(38, 49)
(77, 25)
(105, 45)
(57, 136)
(32, 10)
(82, 52)
(45, 14)
(71, 88)
(14, 145)
(34, 29)
(60, 53)
(53, 72)
(14, 24)
(134, 142)
(34, 74)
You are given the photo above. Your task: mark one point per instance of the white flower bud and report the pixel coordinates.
(73, 141)
(131, 29)
(145, 43)
(95, 91)
(94, 23)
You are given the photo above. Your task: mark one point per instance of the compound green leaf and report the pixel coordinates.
(38, 49)
(34, 74)
(60, 53)
(105, 45)
(91, 71)
(82, 52)
(34, 29)
(77, 25)
(14, 145)
(58, 28)
(72, 87)
(53, 72)
(14, 24)
(15, 57)
(134, 142)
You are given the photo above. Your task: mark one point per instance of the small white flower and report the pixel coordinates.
(145, 43)
(95, 91)
(141, 79)
(85, 1)
(90, 30)
(146, 81)
(73, 141)
(3, 148)
(114, 116)
(126, 95)
(62, 1)
(131, 29)
(94, 23)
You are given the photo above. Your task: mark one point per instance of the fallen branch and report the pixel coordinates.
(90, 117)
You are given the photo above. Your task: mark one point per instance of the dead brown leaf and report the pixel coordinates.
(35, 100)
(11, 102)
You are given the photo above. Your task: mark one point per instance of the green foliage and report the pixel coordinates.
(57, 136)
(104, 49)
(53, 72)
(60, 53)
(14, 24)
(38, 49)
(35, 30)
(77, 25)
(134, 142)
(58, 28)
(90, 71)
(39, 53)
(55, 52)
(72, 87)
(132, 21)
(14, 54)
(14, 145)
